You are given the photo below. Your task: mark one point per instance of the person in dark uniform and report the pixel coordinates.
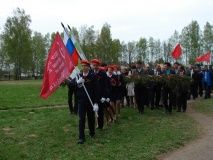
(194, 86)
(167, 91)
(87, 83)
(119, 85)
(147, 68)
(176, 70)
(140, 90)
(199, 80)
(104, 65)
(112, 80)
(108, 115)
(71, 92)
(181, 92)
(102, 79)
(155, 88)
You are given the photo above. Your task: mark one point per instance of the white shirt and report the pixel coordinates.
(191, 72)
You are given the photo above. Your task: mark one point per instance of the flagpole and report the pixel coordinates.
(77, 45)
(79, 76)
(64, 28)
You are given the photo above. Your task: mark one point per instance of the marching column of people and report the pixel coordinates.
(102, 91)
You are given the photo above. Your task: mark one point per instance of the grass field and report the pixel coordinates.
(25, 94)
(36, 132)
(204, 106)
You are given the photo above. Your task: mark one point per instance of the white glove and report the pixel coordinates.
(107, 100)
(95, 107)
(80, 80)
(103, 99)
(118, 73)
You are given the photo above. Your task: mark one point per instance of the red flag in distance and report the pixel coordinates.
(177, 51)
(203, 58)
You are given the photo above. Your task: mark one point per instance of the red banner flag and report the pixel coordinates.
(177, 52)
(59, 65)
(203, 58)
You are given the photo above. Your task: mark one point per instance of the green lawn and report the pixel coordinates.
(52, 134)
(25, 94)
(204, 106)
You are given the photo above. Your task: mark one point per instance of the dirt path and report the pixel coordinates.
(199, 149)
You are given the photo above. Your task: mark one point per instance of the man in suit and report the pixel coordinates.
(167, 91)
(199, 80)
(206, 81)
(211, 70)
(140, 90)
(155, 88)
(176, 70)
(181, 92)
(175, 67)
(194, 86)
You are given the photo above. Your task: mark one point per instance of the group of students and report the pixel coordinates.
(100, 90)
(96, 92)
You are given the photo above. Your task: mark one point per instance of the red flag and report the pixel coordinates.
(204, 58)
(177, 52)
(58, 67)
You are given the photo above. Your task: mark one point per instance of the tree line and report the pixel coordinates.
(23, 51)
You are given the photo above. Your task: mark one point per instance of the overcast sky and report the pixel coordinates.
(129, 20)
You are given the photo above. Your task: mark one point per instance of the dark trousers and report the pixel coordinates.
(140, 95)
(127, 99)
(174, 101)
(100, 115)
(146, 97)
(193, 91)
(154, 96)
(207, 90)
(85, 107)
(70, 93)
(124, 94)
(182, 100)
(200, 86)
(70, 101)
(168, 94)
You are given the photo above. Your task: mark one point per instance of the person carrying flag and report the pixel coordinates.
(87, 89)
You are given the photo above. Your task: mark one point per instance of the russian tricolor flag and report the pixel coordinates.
(71, 49)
